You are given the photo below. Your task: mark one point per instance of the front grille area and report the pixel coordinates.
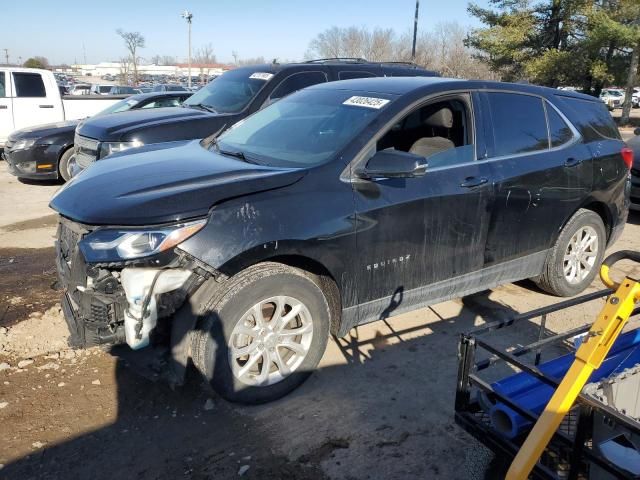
(67, 240)
(93, 315)
(86, 150)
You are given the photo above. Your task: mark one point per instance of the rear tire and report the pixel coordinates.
(63, 164)
(244, 351)
(574, 260)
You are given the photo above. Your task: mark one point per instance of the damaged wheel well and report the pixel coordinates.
(327, 283)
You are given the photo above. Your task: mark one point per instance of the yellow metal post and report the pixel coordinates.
(590, 355)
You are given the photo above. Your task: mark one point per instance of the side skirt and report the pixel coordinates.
(420, 297)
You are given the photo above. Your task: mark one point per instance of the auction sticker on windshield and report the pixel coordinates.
(369, 102)
(261, 75)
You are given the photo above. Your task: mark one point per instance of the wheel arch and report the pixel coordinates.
(64, 149)
(327, 278)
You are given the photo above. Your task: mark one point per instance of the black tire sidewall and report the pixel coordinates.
(583, 219)
(63, 164)
(224, 317)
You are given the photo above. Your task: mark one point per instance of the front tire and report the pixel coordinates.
(263, 333)
(574, 260)
(63, 164)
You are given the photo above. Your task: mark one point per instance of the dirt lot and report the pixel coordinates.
(379, 406)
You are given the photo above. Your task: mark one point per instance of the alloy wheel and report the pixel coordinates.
(270, 341)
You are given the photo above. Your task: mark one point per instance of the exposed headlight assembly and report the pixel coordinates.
(23, 144)
(115, 245)
(107, 148)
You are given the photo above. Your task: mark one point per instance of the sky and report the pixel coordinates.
(69, 32)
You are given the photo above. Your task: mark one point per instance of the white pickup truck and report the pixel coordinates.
(30, 96)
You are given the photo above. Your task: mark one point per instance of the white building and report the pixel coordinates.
(116, 68)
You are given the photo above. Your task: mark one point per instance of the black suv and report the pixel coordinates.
(336, 206)
(223, 102)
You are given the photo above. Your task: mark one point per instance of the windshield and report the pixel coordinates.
(304, 129)
(232, 91)
(121, 106)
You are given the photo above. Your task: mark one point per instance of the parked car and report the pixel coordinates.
(635, 99)
(336, 206)
(634, 144)
(167, 87)
(30, 96)
(100, 89)
(45, 152)
(223, 102)
(612, 98)
(80, 89)
(122, 90)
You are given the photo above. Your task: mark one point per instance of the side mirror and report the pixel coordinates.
(394, 164)
(636, 131)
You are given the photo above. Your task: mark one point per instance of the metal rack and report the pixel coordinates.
(570, 453)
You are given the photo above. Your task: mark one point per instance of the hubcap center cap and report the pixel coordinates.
(270, 339)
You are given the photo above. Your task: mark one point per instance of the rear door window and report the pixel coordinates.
(519, 123)
(559, 132)
(296, 82)
(29, 85)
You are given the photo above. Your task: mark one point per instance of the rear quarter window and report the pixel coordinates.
(592, 118)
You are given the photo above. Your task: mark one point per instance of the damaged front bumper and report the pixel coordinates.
(120, 302)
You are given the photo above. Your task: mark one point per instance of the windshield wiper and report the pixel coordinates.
(230, 153)
(200, 106)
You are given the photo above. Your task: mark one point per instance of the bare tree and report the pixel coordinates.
(204, 57)
(163, 60)
(442, 49)
(125, 65)
(133, 41)
(251, 61)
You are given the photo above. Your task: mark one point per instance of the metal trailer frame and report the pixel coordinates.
(570, 452)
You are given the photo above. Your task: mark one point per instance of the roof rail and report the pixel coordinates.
(338, 60)
(409, 64)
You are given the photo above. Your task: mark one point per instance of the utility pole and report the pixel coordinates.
(84, 53)
(6, 55)
(188, 16)
(415, 32)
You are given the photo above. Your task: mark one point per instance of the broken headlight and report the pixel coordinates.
(114, 245)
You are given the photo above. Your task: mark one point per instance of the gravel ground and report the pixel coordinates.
(379, 406)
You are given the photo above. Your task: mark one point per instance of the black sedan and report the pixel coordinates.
(634, 143)
(44, 151)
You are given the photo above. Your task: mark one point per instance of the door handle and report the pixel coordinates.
(45, 106)
(572, 162)
(3, 107)
(471, 182)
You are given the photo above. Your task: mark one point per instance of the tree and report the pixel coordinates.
(204, 58)
(133, 41)
(442, 50)
(558, 42)
(163, 60)
(36, 62)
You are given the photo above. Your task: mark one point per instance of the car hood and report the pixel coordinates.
(157, 185)
(38, 131)
(111, 127)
